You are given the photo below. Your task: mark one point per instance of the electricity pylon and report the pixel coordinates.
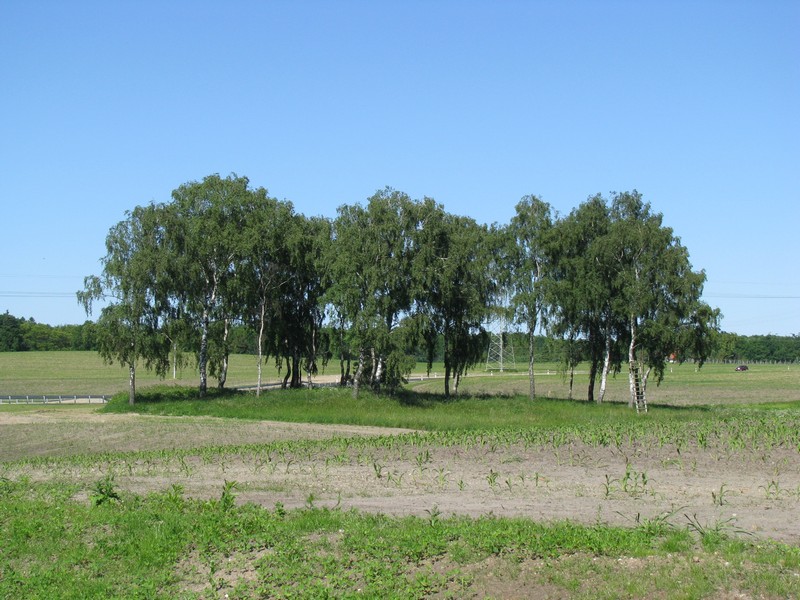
(500, 356)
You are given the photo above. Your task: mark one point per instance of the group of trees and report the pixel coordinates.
(611, 280)
(385, 280)
(730, 347)
(19, 334)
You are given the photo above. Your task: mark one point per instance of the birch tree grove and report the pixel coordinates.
(385, 281)
(623, 281)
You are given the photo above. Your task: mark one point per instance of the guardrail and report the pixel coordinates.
(55, 399)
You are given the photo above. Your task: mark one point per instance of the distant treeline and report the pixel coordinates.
(18, 334)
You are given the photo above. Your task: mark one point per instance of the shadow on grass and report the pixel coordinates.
(170, 393)
(417, 399)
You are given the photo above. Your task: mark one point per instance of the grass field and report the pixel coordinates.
(85, 373)
(311, 493)
(71, 372)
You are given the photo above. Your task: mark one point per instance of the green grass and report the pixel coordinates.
(682, 385)
(408, 409)
(71, 372)
(164, 545)
(85, 373)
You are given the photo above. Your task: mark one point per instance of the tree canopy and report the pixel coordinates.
(389, 279)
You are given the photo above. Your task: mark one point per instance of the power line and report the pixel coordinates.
(37, 294)
(751, 296)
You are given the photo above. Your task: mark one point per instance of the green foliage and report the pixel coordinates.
(18, 334)
(10, 333)
(105, 491)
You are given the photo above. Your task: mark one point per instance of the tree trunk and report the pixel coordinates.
(132, 388)
(344, 368)
(595, 357)
(288, 373)
(606, 368)
(297, 375)
(571, 380)
(531, 349)
(202, 359)
(632, 364)
(378, 372)
(260, 346)
(447, 366)
(372, 380)
(223, 372)
(359, 373)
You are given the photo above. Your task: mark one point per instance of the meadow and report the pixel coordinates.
(312, 493)
(72, 372)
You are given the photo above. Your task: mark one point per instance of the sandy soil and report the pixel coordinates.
(744, 492)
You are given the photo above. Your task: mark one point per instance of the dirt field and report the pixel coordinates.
(743, 491)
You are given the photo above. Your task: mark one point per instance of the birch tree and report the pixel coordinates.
(264, 271)
(299, 310)
(204, 242)
(529, 232)
(580, 292)
(659, 291)
(134, 284)
(370, 265)
(454, 289)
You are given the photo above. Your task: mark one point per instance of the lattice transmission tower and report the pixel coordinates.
(500, 356)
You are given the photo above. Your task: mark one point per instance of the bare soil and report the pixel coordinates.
(743, 492)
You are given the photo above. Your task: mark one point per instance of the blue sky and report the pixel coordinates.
(696, 104)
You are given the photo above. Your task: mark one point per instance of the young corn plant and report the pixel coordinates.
(634, 483)
(719, 498)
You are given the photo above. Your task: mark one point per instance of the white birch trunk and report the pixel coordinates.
(606, 368)
(223, 372)
(632, 363)
(379, 371)
(132, 382)
(260, 348)
(374, 366)
(359, 373)
(531, 349)
(202, 359)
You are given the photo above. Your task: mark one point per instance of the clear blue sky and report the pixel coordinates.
(108, 105)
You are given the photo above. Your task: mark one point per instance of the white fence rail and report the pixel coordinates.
(55, 399)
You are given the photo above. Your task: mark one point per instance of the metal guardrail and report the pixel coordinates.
(55, 399)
